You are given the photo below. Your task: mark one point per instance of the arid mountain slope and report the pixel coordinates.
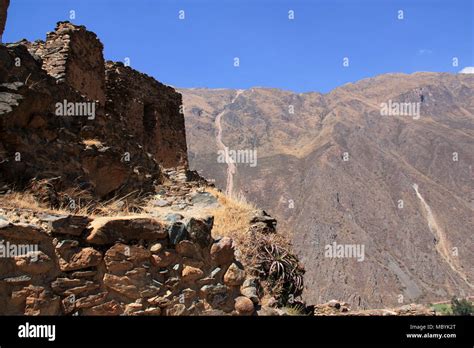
(332, 168)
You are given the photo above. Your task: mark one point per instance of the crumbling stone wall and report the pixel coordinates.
(74, 55)
(127, 265)
(138, 106)
(149, 111)
(35, 143)
(137, 123)
(3, 16)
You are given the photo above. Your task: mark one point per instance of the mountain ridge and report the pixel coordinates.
(387, 155)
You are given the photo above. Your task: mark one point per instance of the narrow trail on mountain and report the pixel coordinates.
(231, 167)
(442, 244)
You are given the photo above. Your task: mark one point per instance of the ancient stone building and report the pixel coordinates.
(136, 123)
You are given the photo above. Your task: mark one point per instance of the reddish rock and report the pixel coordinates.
(164, 258)
(66, 286)
(222, 251)
(37, 301)
(72, 225)
(244, 306)
(90, 301)
(111, 308)
(122, 285)
(104, 172)
(133, 308)
(34, 263)
(188, 249)
(234, 276)
(177, 310)
(72, 260)
(24, 232)
(191, 273)
(121, 258)
(152, 311)
(110, 230)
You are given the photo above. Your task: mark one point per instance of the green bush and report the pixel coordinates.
(461, 306)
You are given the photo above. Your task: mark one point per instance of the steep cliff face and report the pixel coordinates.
(107, 126)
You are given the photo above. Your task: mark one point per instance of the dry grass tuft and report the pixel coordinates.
(92, 142)
(232, 218)
(113, 207)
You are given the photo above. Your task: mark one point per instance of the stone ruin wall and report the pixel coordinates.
(136, 116)
(73, 55)
(137, 105)
(121, 266)
(150, 111)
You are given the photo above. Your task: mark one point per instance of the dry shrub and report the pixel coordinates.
(270, 258)
(231, 218)
(267, 256)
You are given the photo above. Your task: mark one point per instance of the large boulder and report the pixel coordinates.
(124, 229)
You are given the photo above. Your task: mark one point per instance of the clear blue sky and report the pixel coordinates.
(304, 54)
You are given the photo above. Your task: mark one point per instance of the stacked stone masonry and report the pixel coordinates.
(114, 266)
(136, 125)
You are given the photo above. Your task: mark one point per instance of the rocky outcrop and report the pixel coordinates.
(107, 126)
(3, 16)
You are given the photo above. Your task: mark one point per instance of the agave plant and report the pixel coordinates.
(280, 269)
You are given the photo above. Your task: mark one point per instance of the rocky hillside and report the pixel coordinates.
(337, 168)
